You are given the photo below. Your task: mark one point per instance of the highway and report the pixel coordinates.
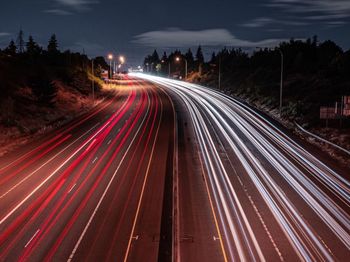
(82, 192)
(164, 170)
(271, 199)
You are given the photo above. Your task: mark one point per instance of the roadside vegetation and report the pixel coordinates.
(41, 87)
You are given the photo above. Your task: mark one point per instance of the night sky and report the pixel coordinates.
(135, 28)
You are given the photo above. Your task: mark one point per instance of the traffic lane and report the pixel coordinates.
(293, 195)
(286, 202)
(153, 227)
(108, 234)
(53, 144)
(38, 142)
(199, 238)
(35, 179)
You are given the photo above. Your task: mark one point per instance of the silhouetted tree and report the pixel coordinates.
(199, 55)
(53, 45)
(164, 57)
(33, 48)
(11, 49)
(190, 59)
(199, 59)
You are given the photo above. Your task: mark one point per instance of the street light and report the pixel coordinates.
(93, 82)
(219, 80)
(122, 59)
(178, 59)
(110, 58)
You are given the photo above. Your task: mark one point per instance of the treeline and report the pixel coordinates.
(315, 73)
(25, 63)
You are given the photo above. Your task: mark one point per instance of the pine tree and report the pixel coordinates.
(189, 56)
(53, 45)
(20, 41)
(155, 57)
(199, 55)
(213, 58)
(164, 57)
(11, 49)
(32, 47)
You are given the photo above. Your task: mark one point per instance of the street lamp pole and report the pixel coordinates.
(281, 80)
(219, 80)
(110, 58)
(178, 59)
(93, 82)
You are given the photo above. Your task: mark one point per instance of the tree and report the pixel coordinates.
(164, 57)
(53, 45)
(199, 59)
(199, 55)
(20, 41)
(155, 57)
(189, 56)
(32, 47)
(11, 49)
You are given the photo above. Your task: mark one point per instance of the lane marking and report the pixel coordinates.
(30, 240)
(105, 192)
(71, 188)
(94, 160)
(144, 184)
(48, 178)
(48, 161)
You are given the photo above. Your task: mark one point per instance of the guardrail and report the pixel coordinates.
(322, 139)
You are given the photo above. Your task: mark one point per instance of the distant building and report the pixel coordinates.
(346, 103)
(338, 111)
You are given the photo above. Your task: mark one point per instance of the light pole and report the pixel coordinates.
(178, 59)
(110, 58)
(121, 60)
(93, 82)
(219, 80)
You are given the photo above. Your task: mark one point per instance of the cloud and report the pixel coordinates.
(68, 7)
(259, 22)
(322, 7)
(4, 34)
(266, 21)
(57, 12)
(77, 3)
(174, 37)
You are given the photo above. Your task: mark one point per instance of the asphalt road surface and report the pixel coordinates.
(168, 171)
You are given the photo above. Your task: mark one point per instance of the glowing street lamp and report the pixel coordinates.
(110, 58)
(178, 60)
(122, 59)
